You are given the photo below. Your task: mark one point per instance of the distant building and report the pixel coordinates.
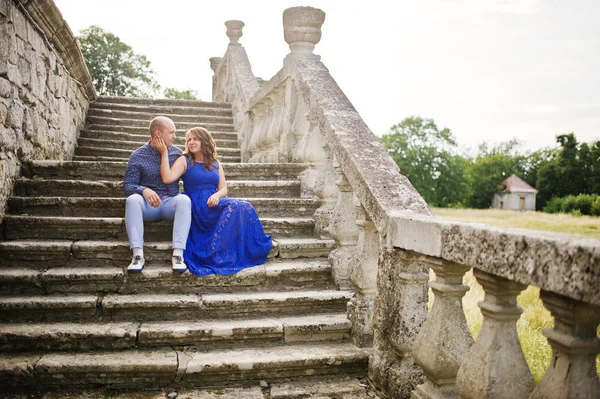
(517, 195)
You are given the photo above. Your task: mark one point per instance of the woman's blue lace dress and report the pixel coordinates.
(223, 239)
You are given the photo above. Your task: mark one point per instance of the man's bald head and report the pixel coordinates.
(160, 123)
(163, 127)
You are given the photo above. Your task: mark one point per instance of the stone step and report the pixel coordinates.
(164, 307)
(225, 154)
(42, 254)
(166, 110)
(209, 334)
(159, 368)
(103, 188)
(197, 118)
(109, 100)
(140, 126)
(72, 170)
(180, 131)
(320, 387)
(115, 206)
(22, 227)
(275, 274)
(93, 137)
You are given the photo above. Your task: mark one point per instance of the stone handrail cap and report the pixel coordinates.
(234, 30)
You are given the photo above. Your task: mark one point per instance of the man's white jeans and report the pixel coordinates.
(138, 210)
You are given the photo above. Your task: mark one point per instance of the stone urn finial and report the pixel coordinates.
(214, 63)
(302, 30)
(234, 31)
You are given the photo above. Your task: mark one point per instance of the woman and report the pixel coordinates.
(226, 235)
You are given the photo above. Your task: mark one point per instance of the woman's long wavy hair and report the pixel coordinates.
(208, 148)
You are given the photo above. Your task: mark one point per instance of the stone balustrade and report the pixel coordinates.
(387, 241)
(45, 88)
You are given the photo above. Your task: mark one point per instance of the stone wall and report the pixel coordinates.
(45, 88)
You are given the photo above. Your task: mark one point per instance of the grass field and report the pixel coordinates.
(535, 317)
(585, 226)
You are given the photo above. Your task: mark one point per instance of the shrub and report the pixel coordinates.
(569, 204)
(554, 205)
(584, 202)
(595, 210)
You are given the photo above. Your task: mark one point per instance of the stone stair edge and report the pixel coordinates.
(148, 115)
(280, 330)
(185, 368)
(139, 100)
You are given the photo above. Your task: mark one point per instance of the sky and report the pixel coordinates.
(489, 70)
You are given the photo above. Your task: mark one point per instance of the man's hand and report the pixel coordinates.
(152, 198)
(212, 200)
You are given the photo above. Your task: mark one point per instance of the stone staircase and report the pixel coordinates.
(72, 318)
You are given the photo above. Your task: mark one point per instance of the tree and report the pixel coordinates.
(490, 167)
(573, 170)
(189, 94)
(115, 69)
(427, 156)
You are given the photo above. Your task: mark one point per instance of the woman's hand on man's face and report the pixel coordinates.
(159, 144)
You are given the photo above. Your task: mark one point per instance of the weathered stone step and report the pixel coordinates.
(225, 154)
(21, 227)
(199, 118)
(100, 101)
(140, 126)
(155, 307)
(210, 334)
(51, 253)
(115, 206)
(275, 274)
(71, 170)
(97, 138)
(100, 188)
(319, 387)
(158, 368)
(166, 110)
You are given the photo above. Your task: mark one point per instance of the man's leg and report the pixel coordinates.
(178, 209)
(136, 211)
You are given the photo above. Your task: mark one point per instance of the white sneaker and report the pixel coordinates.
(136, 265)
(178, 264)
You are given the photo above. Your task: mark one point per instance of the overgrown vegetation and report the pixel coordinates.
(447, 176)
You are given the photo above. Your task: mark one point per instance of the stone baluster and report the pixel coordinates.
(572, 372)
(234, 31)
(398, 317)
(274, 134)
(259, 123)
(364, 278)
(214, 64)
(495, 366)
(263, 137)
(444, 341)
(343, 230)
(302, 31)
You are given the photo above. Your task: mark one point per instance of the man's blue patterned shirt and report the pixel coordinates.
(143, 171)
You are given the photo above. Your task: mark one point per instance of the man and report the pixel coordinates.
(149, 199)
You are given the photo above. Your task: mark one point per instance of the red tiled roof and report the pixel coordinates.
(515, 184)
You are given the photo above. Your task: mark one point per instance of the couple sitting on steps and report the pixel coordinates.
(211, 233)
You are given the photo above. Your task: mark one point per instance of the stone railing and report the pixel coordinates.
(45, 88)
(387, 241)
